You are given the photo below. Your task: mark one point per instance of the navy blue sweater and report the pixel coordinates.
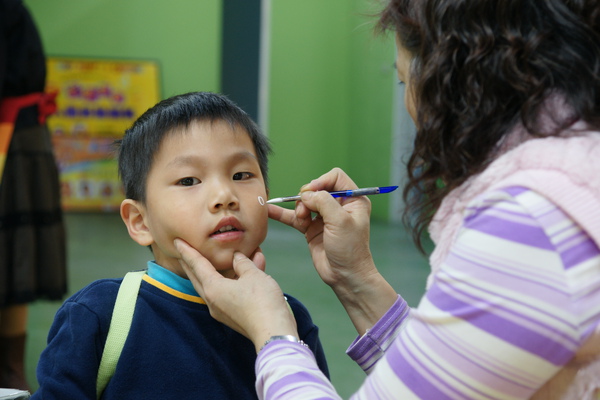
(175, 349)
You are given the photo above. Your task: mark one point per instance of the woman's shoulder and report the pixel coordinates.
(528, 217)
(509, 205)
(509, 197)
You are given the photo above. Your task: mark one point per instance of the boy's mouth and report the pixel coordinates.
(227, 228)
(226, 225)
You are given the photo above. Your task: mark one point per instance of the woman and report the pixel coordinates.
(506, 99)
(32, 238)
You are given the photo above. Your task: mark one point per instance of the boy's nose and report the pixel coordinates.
(231, 204)
(224, 197)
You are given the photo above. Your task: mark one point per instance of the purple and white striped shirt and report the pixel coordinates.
(517, 295)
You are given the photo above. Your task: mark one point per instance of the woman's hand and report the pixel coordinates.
(253, 304)
(338, 240)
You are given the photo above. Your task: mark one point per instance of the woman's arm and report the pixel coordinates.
(253, 304)
(509, 307)
(338, 239)
(504, 314)
(337, 233)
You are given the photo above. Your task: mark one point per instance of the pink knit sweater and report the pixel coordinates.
(564, 169)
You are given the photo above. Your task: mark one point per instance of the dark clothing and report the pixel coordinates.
(32, 237)
(174, 349)
(22, 60)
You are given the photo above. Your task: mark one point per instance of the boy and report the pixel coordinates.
(194, 167)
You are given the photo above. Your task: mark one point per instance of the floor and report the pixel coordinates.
(99, 247)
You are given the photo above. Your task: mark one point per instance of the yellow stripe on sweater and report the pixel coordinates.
(176, 293)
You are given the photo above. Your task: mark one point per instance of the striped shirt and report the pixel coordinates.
(517, 295)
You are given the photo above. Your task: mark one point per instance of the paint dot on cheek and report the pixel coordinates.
(261, 200)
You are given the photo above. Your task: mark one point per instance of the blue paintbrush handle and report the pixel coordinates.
(343, 193)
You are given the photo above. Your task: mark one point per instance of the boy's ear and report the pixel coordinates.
(133, 213)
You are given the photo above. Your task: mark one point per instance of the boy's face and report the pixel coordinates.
(204, 187)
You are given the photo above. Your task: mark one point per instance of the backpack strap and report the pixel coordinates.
(119, 328)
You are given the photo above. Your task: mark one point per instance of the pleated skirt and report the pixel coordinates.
(32, 235)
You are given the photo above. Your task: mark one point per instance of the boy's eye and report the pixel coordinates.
(189, 181)
(240, 176)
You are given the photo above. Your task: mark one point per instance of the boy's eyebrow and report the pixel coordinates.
(243, 155)
(194, 159)
(183, 160)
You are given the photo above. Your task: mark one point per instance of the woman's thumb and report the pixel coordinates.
(242, 264)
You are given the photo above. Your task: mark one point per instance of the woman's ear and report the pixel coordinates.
(133, 214)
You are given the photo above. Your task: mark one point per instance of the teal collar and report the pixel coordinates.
(170, 279)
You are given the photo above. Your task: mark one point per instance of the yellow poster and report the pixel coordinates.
(97, 101)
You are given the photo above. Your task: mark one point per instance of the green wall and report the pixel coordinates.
(309, 93)
(183, 35)
(330, 94)
(331, 80)
(372, 79)
(330, 90)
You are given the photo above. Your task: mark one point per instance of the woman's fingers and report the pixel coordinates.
(336, 179)
(198, 269)
(301, 217)
(242, 264)
(258, 258)
(253, 304)
(283, 215)
(324, 204)
(290, 217)
(316, 199)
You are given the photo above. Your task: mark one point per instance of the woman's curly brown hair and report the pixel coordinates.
(479, 68)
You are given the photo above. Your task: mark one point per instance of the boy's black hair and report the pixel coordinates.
(137, 149)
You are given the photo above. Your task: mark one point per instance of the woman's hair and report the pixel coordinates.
(479, 68)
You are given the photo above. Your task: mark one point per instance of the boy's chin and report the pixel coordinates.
(228, 273)
(225, 269)
(223, 265)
